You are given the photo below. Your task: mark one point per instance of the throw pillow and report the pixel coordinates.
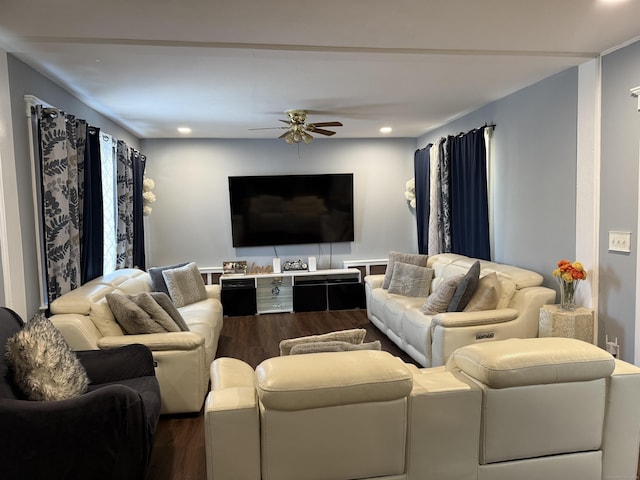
(44, 366)
(486, 295)
(132, 317)
(185, 285)
(466, 288)
(354, 336)
(410, 280)
(158, 314)
(412, 258)
(157, 279)
(318, 347)
(165, 302)
(507, 291)
(439, 300)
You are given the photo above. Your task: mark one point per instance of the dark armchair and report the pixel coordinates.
(105, 433)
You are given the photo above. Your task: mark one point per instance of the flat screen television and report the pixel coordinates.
(291, 209)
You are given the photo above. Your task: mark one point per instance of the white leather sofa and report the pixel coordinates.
(431, 339)
(526, 409)
(182, 359)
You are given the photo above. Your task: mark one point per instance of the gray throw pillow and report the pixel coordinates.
(157, 279)
(165, 302)
(439, 300)
(354, 336)
(465, 289)
(44, 366)
(318, 347)
(133, 318)
(410, 280)
(185, 284)
(412, 258)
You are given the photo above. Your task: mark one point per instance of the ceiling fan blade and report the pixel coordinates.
(323, 132)
(269, 128)
(325, 124)
(284, 121)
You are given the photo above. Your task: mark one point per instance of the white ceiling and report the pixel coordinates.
(223, 68)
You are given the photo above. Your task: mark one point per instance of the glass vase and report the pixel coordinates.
(568, 294)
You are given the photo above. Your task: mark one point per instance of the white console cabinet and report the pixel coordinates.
(296, 290)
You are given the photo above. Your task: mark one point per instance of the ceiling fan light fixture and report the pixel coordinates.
(288, 138)
(306, 137)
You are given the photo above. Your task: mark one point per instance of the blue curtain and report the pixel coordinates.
(139, 163)
(469, 202)
(421, 160)
(92, 224)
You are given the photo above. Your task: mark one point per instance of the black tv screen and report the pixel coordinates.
(291, 209)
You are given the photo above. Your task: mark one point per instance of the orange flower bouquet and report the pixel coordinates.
(569, 276)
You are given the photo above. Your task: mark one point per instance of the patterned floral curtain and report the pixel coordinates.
(62, 141)
(124, 188)
(64, 195)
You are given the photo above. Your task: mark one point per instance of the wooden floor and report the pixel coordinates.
(178, 452)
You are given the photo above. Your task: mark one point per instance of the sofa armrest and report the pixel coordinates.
(232, 422)
(156, 341)
(466, 319)
(373, 281)
(106, 366)
(213, 291)
(76, 436)
(78, 330)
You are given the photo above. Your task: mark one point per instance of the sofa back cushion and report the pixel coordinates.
(80, 300)
(450, 264)
(319, 380)
(349, 410)
(533, 386)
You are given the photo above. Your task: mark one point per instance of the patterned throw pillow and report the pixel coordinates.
(439, 300)
(412, 258)
(44, 366)
(410, 280)
(185, 285)
(157, 279)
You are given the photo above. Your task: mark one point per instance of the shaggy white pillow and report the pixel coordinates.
(44, 366)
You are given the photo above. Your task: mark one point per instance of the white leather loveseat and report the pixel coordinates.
(182, 359)
(430, 339)
(526, 409)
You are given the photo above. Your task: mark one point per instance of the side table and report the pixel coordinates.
(556, 322)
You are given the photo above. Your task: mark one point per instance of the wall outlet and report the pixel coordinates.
(612, 347)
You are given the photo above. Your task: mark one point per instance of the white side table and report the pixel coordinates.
(556, 322)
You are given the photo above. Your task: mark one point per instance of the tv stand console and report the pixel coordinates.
(292, 291)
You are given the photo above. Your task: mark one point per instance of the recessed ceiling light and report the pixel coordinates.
(184, 130)
(386, 130)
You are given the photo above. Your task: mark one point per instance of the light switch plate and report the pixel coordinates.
(620, 242)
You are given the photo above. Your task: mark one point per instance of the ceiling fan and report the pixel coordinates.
(299, 131)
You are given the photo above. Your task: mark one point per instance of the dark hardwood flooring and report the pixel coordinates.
(178, 451)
